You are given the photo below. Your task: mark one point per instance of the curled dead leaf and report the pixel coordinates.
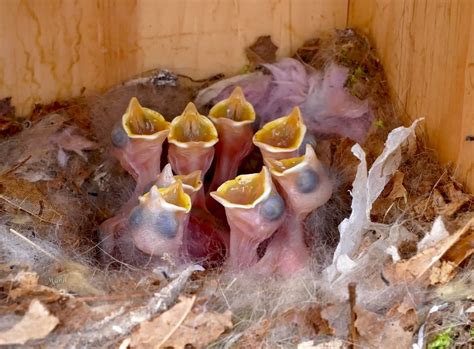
(263, 50)
(456, 199)
(398, 190)
(446, 201)
(454, 248)
(378, 331)
(183, 324)
(37, 323)
(25, 284)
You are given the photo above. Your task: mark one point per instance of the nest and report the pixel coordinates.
(403, 277)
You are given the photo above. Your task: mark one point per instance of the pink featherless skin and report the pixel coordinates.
(137, 143)
(305, 186)
(191, 145)
(205, 237)
(233, 118)
(266, 208)
(327, 107)
(254, 211)
(155, 227)
(303, 183)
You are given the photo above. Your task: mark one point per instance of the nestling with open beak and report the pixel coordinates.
(191, 182)
(281, 138)
(258, 209)
(233, 118)
(191, 145)
(192, 138)
(305, 186)
(137, 143)
(254, 211)
(155, 227)
(205, 237)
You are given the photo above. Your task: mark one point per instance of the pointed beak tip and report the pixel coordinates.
(190, 109)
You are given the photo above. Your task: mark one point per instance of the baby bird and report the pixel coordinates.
(254, 211)
(305, 186)
(233, 118)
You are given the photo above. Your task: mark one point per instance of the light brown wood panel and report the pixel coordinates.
(53, 49)
(427, 49)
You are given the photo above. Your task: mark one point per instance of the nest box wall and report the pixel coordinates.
(56, 49)
(427, 49)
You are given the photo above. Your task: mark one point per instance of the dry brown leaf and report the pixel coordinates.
(393, 191)
(398, 190)
(37, 323)
(337, 316)
(418, 265)
(263, 50)
(405, 313)
(440, 274)
(446, 200)
(254, 336)
(320, 325)
(307, 322)
(458, 253)
(456, 198)
(9, 125)
(25, 284)
(379, 332)
(184, 324)
(26, 280)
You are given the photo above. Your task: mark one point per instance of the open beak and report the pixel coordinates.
(303, 180)
(137, 141)
(233, 118)
(191, 145)
(305, 186)
(192, 182)
(157, 223)
(254, 210)
(282, 137)
(192, 138)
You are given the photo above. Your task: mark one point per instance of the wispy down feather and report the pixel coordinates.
(326, 105)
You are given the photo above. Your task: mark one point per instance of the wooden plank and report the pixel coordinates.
(53, 49)
(427, 49)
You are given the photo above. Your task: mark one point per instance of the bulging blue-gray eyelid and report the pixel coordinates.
(119, 137)
(307, 181)
(137, 217)
(272, 208)
(166, 224)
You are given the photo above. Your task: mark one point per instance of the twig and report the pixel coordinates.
(179, 323)
(39, 248)
(113, 328)
(432, 191)
(352, 328)
(209, 79)
(16, 166)
(27, 211)
(112, 297)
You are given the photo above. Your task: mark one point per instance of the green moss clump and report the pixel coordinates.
(442, 340)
